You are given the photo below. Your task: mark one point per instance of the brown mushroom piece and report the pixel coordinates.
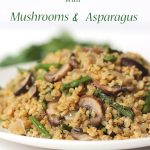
(33, 92)
(78, 134)
(113, 90)
(42, 115)
(58, 75)
(25, 85)
(55, 120)
(114, 51)
(131, 62)
(73, 61)
(70, 115)
(83, 90)
(51, 111)
(94, 105)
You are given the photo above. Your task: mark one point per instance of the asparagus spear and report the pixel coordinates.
(123, 110)
(40, 127)
(146, 107)
(107, 99)
(47, 66)
(75, 83)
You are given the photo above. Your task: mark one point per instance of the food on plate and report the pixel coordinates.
(84, 94)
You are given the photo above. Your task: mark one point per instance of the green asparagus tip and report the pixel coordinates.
(47, 66)
(75, 83)
(146, 107)
(40, 127)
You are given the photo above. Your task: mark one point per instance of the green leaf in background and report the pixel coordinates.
(37, 52)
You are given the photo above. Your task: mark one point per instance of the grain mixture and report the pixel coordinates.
(84, 94)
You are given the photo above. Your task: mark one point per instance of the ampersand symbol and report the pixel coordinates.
(75, 17)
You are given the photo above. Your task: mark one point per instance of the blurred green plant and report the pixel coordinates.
(37, 52)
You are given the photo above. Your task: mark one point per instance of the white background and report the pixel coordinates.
(129, 36)
(14, 36)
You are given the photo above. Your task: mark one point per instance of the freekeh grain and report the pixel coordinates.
(15, 111)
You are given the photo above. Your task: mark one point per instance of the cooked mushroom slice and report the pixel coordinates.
(59, 75)
(94, 105)
(52, 113)
(131, 62)
(83, 90)
(70, 115)
(42, 115)
(79, 135)
(17, 127)
(113, 90)
(33, 92)
(73, 61)
(55, 120)
(25, 85)
(114, 51)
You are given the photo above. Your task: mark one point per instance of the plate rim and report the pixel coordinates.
(52, 143)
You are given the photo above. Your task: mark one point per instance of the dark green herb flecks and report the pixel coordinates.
(146, 108)
(102, 128)
(40, 127)
(148, 85)
(47, 66)
(123, 110)
(109, 57)
(44, 105)
(75, 83)
(65, 127)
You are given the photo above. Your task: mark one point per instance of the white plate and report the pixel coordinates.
(7, 74)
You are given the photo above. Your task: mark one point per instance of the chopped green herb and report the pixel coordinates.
(65, 127)
(69, 94)
(40, 127)
(148, 86)
(44, 105)
(102, 128)
(75, 83)
(146, 108)
(111, 58)
(99, 127)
